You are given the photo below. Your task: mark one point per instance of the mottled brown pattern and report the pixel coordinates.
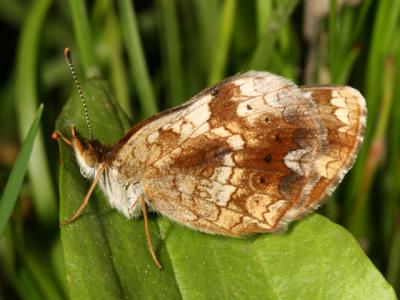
(205, 181)
(248, 155)
(342, 147)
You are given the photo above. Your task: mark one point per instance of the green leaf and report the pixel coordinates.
(106, 254)
(18, 171)
(26, 102)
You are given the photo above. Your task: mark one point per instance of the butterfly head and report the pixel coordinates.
(89, 153)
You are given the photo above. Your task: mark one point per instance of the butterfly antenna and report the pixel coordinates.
(68, 59)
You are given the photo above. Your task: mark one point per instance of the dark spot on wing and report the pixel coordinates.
(268, 158)
(214, 91)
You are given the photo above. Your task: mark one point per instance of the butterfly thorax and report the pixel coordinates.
(93, 157)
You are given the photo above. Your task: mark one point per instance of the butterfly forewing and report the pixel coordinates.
(238, 158)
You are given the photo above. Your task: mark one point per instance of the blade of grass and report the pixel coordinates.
(279, 17)
(26, 106)
(169, 34)
(12, 12)
(36, 264)
(227, 20)
(263, 13)
(38, 273)
(83, 36)
(8, 253)
(385, 10)
(343, 74)
(392, 173)
(207, 15)
(332, 38)
(387, 17)
(362, 14)
(140, 73)
(116, 63)
(287, 54)
(18, 171)
(7, 109)
(342, 51)
(194, 68)
(359, 221)
(375, 58)
(25, 287)
(393, 271)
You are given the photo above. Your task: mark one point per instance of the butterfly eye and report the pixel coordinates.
(91, 156)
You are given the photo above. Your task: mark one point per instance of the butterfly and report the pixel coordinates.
(248, 155)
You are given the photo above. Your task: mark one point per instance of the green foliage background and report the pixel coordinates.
(156, 54)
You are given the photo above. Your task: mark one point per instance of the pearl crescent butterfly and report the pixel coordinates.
(249, 155)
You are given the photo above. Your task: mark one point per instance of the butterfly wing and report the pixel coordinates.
(235, 159)
(248, 155)
(343, 112)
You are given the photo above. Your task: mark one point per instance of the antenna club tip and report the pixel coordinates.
(67, 55)
(55, 135)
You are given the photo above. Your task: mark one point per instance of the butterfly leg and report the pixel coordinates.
(146, 229)
(87, 197)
